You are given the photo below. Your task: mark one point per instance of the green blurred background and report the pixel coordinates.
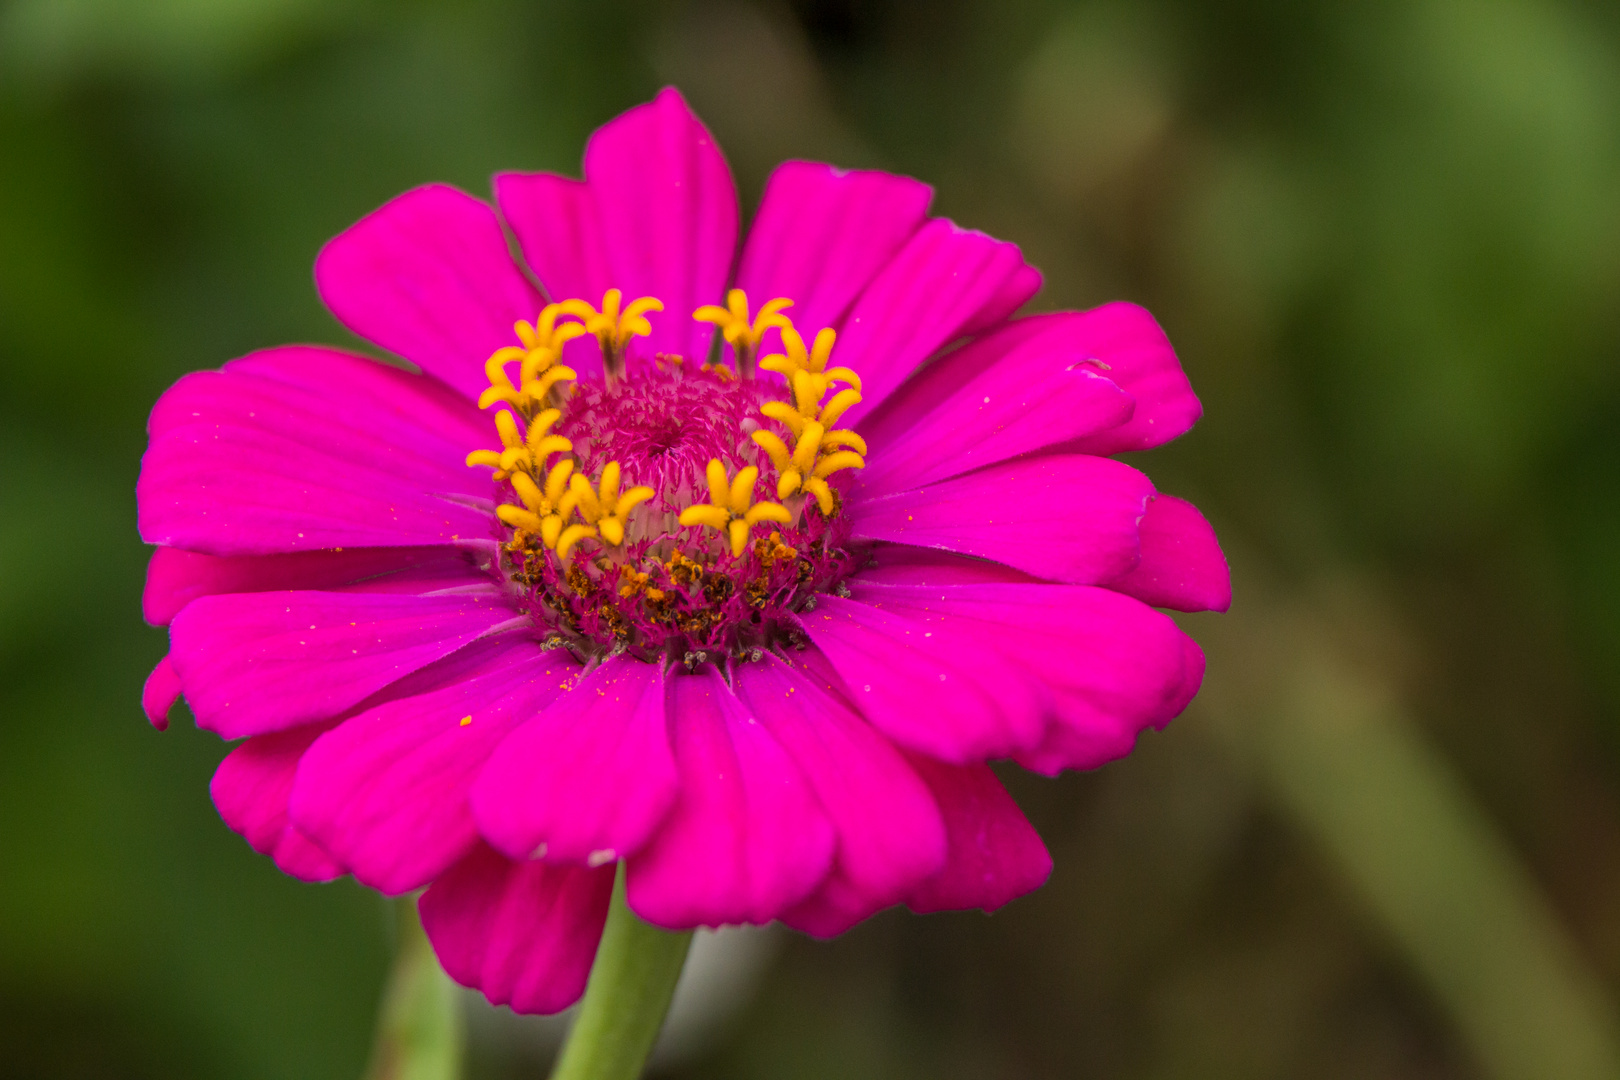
(1385, 842)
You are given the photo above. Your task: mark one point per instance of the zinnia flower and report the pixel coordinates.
(735, 570)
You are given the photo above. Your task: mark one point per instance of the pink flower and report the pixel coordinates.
(752, 625)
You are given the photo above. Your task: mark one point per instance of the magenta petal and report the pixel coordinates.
(821, 235)
(1082, 741)
(896, 564)
(1182, 564)
(428, 276)
(746, 838)
(1133, 352)
(940, 283)
(928, 682)
(296, 855)
(1023, 388)
(250, 790)
(587, 780)
(888, 830)
(668, 214)
(994, 854)
(1107, 666)
(175, 577)
(251, 663)
(1014, 293)
(305, 448)
(558, 230)
(554, 219)
(524, 933)
(386, 790)
(161, 691)
(1066, 517)
(655, 216)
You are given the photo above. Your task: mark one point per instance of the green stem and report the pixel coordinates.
(625, 1001)
(419, 1029)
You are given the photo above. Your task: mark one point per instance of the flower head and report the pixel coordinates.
(574, 593)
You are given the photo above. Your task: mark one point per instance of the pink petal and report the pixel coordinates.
(994, 854)
(888, 829)
(175, 577)
(296, 855)
(587, 780)
(656, 216)
(386, 791)
(250, 790)
(668, 211)
(1135, 354)
(943, 280)
(896, 564)
(428, 276)
(161, 691)
(1066, 517)
(822, 234)
(252, 663)
(1014, 293)
(1082, 742)
(930, 683)
(1182, 565)
(555, 221)
(1023, 388)
(746, 838)
(1105, 665)
(525, 933)
(304, 448)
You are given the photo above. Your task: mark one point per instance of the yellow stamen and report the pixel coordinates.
(605, 508)
(731, 508)
(539, 369)
(520, 453)
(744, 336)
(542, 511)
(613, 328)
(823, 493)
(572, 536)
(813, 360)
(816, 452)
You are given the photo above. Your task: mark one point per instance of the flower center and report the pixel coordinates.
(634, 524)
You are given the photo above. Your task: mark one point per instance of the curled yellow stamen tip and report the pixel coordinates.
(731, 508)
(742, 489)
(570, 537)
(844, 459)
(787, 414)
(715, 517)
(605, 507)
(845, 438)
(767, 512)
(519, 518)
(537, 358)
(742, 335)
(841, 403)
(818, 449)
(774, 448)
(823, 493)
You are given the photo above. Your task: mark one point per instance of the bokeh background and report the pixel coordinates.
(1385, 842)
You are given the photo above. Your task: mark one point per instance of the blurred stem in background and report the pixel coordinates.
(1337, 750)
(419, 1030)
(625, 1002)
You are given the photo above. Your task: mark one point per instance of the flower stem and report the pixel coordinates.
(419, 1029)
(626, 999)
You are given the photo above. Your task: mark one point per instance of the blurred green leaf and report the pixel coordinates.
(419, 1030)
(1345, 763)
